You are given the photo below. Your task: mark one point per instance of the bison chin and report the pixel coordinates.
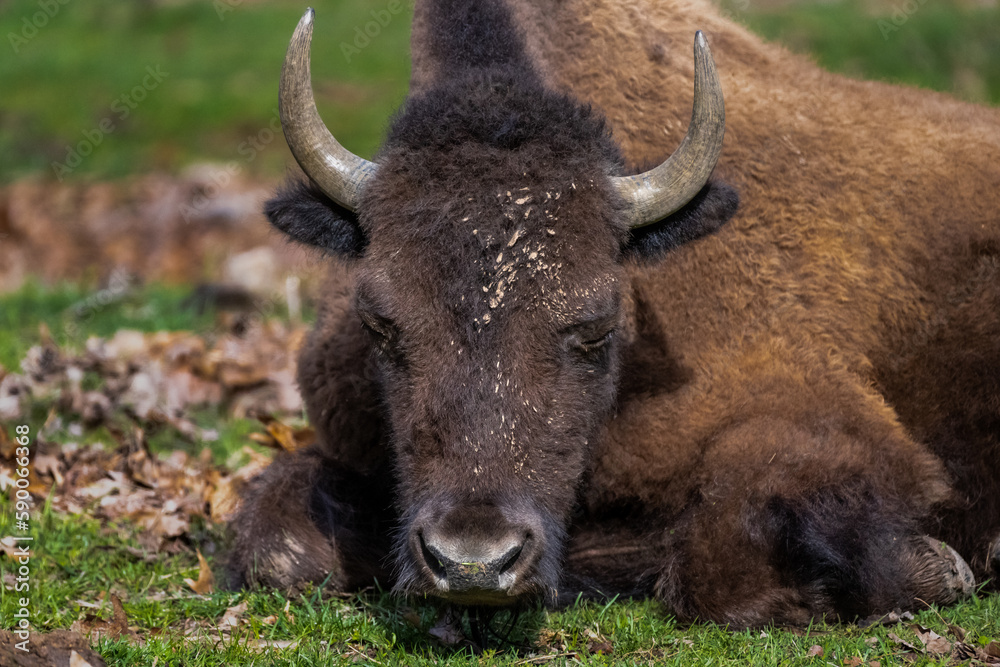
(479, 552)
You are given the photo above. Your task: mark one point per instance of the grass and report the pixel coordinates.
(78, 559)
(217, 98)
(939, 46)
(217, 88)
(72, 313)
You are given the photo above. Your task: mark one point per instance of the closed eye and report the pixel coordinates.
(383, 332)
(375, 325)
(590, 344)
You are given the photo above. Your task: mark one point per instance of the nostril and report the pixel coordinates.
(433, 562)
(509, 559)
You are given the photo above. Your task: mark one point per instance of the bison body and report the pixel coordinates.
(765, 414)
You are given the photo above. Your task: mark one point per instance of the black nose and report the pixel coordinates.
(476, 555)
(489, 568)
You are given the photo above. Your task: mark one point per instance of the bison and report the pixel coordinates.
(557, 354)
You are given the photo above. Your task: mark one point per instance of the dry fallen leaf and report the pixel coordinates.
(7, 446)
(104, 487)
(892, 618)
(604, 648)
(48, 649)
(46, 464)
(989, 655)
(10, 547)
(598, 643)
(233, 616)
(932, 641)
(816, 650)
(281, 436)
(119, 622)
(76, 661)
(223, 499)
(962, 651)
(206, 581)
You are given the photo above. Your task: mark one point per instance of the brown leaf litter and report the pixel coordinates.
(129, 385)
(155, 226)
(141, 382)
(157, 379)
(936, 647)
(555, 645)
(161, 496)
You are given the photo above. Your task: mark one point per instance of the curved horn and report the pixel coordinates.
(655, 194)
(339, 173)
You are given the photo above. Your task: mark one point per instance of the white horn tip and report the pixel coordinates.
(699, 39)
(308, 16)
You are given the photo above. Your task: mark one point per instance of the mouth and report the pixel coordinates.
(478, 597)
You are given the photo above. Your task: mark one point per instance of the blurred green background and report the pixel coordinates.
(69, 69)
(218, 64)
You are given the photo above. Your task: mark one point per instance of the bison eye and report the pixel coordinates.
(382, 331)
(590, 345)
(591, 338)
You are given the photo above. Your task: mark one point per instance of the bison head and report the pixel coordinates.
(489, 245)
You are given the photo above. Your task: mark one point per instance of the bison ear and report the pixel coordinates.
(308, 216)
(708, 211)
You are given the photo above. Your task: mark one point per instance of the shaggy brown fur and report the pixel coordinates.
(800, 398)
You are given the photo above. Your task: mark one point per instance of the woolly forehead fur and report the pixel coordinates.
(491, 183)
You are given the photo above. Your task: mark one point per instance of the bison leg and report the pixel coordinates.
(790, 524)
(306, 519)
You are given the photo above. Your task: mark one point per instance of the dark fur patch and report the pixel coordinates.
(305, 214)
(705, 214)
(844, 545)
(339, 520)
(475, 35)
(504, 108)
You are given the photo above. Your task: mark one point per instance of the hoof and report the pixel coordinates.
(956, 581)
